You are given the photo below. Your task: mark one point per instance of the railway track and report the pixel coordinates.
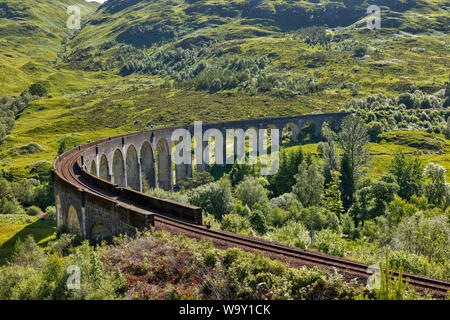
(66, 166)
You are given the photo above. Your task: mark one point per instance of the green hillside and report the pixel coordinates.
(193, 42)
(32, 36)
(172, 62)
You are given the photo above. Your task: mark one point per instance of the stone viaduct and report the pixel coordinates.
(99, 186)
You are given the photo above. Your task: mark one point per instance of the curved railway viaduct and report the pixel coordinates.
(98, 193)
(132, 163)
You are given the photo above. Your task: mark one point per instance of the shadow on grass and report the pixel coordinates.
(41, 229)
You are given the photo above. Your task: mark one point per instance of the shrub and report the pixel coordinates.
(293, 233)
(50, 213)
(35, 276)
(285, 202)
(31, 148)
(41, 170)
(199, 179)
(10, 206)
(390, 287)
(27, 253)
(23, 191)
(333, 222)
(62, 245)
(37, 89)
(168, 195)
(33, 211)
(277, 217)
(315, 216)
(329, 242)
(348, 226)
(235, 223)
(360, 51)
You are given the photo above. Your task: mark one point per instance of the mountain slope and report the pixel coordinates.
(255, 45)
(32, 34)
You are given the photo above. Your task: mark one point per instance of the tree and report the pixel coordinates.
(353, 140)
(407, 99)
(373, 198)
(62, 147)
(199, 179)
(285, 202)
(309, 184)
(330, 158)
(399, 208)
(375, 129)
(37, 89)
(239, 171)
(348, 226)
(23, 191)
(436, 189)
(408, 173)
(4, 188)
(347, 182)
(428, 236)
(333, 199)
(447, 94)
(258, 220)
(446, 130)
(282, 182)
(214, 198)
(251, 192)
(383, 192)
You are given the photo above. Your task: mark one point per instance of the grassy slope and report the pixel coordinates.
(382, 153)
(390, 68)
(14, 227)
(31, 38)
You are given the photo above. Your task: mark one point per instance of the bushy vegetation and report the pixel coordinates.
(409, 111)
(9, 108)
(36, 192)
(159, 266)
(33, 275)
